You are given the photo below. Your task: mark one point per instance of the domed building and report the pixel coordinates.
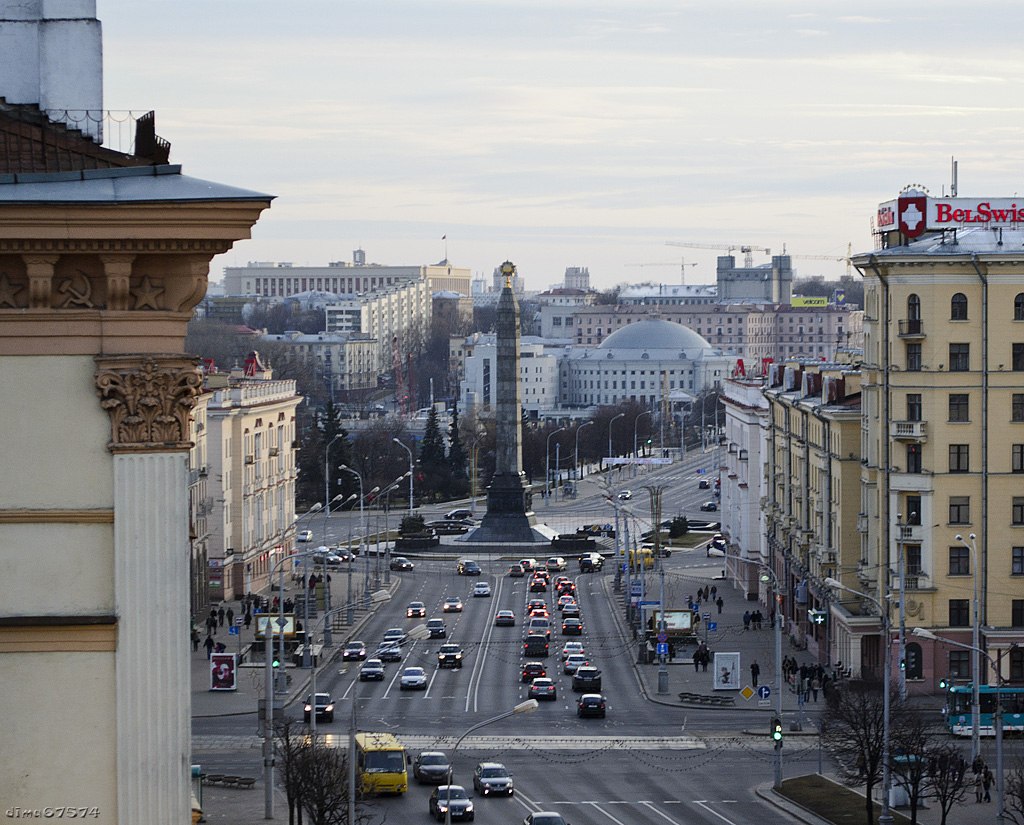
(640, 363)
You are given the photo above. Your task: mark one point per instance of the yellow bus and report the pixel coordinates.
(643, 557)
(381, 764)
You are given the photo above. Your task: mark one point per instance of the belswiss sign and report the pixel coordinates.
(916, 214)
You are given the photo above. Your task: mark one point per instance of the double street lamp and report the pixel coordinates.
(612, 421)
(576, 453)
(975, 648)
(636, 421)
(403, 445)
(885, 818)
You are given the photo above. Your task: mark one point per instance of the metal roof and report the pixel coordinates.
(137, 184)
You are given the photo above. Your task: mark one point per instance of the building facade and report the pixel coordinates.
(344, 361)
(942, 510)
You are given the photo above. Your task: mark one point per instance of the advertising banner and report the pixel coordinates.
(727, 671)
(223, 669)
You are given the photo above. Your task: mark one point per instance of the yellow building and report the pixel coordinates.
(942, 506)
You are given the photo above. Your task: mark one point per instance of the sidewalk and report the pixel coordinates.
(759, 645)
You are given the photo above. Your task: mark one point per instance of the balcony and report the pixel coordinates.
(909, 430)
(911, 328)
(911, 532)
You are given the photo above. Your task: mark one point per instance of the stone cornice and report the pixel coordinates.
(149, 400)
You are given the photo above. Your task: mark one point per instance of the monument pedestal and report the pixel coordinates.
(509, 515)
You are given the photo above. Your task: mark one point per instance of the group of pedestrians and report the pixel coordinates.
(983, 780)
(753, 621)
(807, 681)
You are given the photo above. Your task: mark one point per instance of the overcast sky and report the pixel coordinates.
(558, 133)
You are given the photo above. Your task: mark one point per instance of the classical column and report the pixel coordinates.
(148, 399)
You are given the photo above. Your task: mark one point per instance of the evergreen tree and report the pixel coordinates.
(433, 461)
(456, 452)
(336, 452)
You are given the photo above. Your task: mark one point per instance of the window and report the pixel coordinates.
(959, 509)
(912, 560)
(1017, 407)
(913, 458)
(1017, 613)
(959, 664)
(913, 509)
(1017, 358)
(959, 458)
(958, 406)
(913, 307)
(959, 613)
(958, 307)
(913, 357)
(1017, 561)
(1018, 307)
(1016, 665)
(959, 561)
(914, 406)
(1017, 458)
(959, 357)
(1018, 510)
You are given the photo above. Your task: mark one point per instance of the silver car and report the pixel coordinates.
(492, 779)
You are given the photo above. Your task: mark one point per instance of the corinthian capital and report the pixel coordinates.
(149, 399)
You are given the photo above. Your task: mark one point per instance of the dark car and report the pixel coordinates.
(436, 628)
(590, 704)
(467, 567)
(533, 670)
(324, 708)
(572, 627)
(586, 678)
(448, 528)
(538, 585)
(709, 506)
(354, 652)
(449, 655)
(591, 563)
(450, 799)
(492, 778)
(458, 514)
(704, 484)
(516, 572)
(401, 563)
(372, 671)
(431, 767)
(571, 611)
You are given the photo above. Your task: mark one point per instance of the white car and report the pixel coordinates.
(481, 589)
(394, 636)
(573, 661)
(413, 678)
(569, 648)
(304, 535)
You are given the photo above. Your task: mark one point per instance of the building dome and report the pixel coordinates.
(654, 334)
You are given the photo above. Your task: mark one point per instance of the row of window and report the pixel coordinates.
(960, 357)
(958, 307)
(960, 511)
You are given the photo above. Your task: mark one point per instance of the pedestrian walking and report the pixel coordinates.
(755, 671)
(977, 786)
(220, 616)
(719, 602)
(706, 592)
(248, 620)
(195, 640)
(714, 591)
(815, 687)
(208, 644)
(231, 617)
(986, 783)
(705, 659)
(746, 620)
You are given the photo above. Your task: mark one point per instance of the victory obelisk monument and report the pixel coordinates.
(509, 515)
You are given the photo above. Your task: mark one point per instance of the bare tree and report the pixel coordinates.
(324, 782)
(947, 777)
(1013, 793)
(853, 729)
(913, 739)
(289, 742)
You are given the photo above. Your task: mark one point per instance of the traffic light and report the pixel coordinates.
(903, 664)
(944, 684)
(776, 729)
(276, 663)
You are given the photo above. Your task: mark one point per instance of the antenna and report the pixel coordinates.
(953, 186)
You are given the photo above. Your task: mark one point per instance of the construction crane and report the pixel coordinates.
(841, 258)
(746, 249)
(682, 267)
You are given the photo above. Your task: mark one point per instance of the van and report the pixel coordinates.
(536, 644)
(591, 562)
(539, 625)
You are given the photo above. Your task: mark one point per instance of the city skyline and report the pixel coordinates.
(571, 134)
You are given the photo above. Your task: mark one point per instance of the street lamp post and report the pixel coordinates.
(529, 706)
(612, 421)
(576, 453)
(768, 577)
(927, 634)
(327, 474)
(975, 651)
(885, 818)
(411, 462)
(547, 466)
(636, 421)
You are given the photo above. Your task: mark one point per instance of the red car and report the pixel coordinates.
(533, 670)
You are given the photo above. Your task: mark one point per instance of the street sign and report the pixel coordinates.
(636, 588)
(662, 649)
(764, 703)
(647, 603)
(706, 616)
(662, 636)
(239, 621)
(764, 692)
(712, 626)
(233, 630)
